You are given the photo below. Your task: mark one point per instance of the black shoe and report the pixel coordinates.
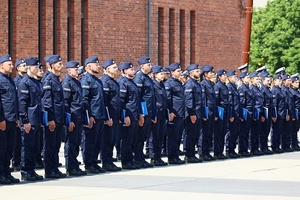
(28, 177)
(17, 168)
(111, 167)
(296, 148)
(267, 151)
(83, 173)
(205, 158)
(12, 179)
(100, 169)
(129, 166)
(245, 154)
(192, 159)
(211, 157)
(38, 177)
(4, 180)
(220, 157)
(52, 175)
(277, 150)
(144, 164)
(158, 162)
(74, 172)
(257, 153)
(231, 155)
(92, 170)
(176, 161)
(288, 149)
(62, 175)
(180, 153)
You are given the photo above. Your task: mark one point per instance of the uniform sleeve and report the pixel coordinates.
(86, 95)
(47, 99)
(139, 81)
(189, 99)
(217, 94)
(169, 97)
(23, 97)
(2, 117)
(106, 92)
(67, 92)
(123, 97)
(204, 97)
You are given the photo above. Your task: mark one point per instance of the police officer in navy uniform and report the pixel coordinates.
(268, 103)
(175, 106)
(22, 69)
(159, 118)
(257, 115)
(193, 115)
(295, 124)
(29, 95)
(8, 119)
(234, 115)
(280, 114)
(290, 115)
(222, 94)
(246, 100)
(93, 100)
(130, 115)
(72, 92)
(208, 97)
(113, 104)
(53, 104)
(146, 90)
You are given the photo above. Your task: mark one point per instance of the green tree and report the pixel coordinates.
(275, 36)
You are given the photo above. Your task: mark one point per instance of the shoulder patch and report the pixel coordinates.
(123, 91)
(106, 89)
(85, 86)
(167, 88)
(25, 91)
(217, 92)
(188, 90)
(46, 87)
(139, 85)
(67, 89)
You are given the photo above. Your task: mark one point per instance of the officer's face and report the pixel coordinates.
(287, 82)
(266, 82)
(255, 81)
(146, 67)
(277, 82)
(113, 69)
(73, 72)
(160, 76)
(6, 67)
(129, 72)
(177, 73)
(40, 73)
(232, 79)
(195, 74)
(57, 66)
(22, 68)
(33, 70)
(295, 84)
(94, 67)
(223, 78)
(167, 75)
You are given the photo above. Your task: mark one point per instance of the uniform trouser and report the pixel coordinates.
(52, 142)
(117, 140)
(286, 134)
(219, 135)
(72, 142)
(128, 136)
(30, 149)
(17, 151)
(173, 129)
(40, 150)
(255, 134)
(265, 131)
(108, 142)
(277, 129)
(232, 135)
(243, 134)
(207, 128)
(192, 136)
(294, 135)
(157, 137)
(92, 143)
(143, 132)
(7, 145)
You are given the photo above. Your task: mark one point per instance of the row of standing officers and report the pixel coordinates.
(138, 108)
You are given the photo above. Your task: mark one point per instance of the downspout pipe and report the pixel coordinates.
(246, 51)
(149, 28)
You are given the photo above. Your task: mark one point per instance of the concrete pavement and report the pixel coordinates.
(266, 177)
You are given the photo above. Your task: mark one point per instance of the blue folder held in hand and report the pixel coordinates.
(67, 119)
(256, 113)
(86, 118)
(296, 114)
(274, 112)
(205, 112)
(244, 113)
(44, 118)
(266, 112)
(220, 113)
(144, 108)
(107, 116)
(122, 116)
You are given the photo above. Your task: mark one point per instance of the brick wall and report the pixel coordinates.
(119, 29)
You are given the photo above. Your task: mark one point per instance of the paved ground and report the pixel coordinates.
(266, 177)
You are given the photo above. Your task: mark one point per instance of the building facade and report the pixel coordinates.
(186, 31)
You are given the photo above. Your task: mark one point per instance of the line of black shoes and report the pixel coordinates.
(33, 176)
(8, 179)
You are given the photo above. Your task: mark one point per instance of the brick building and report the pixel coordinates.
(185, 31)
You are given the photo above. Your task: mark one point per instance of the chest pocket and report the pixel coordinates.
(57, 93)
(4, 87)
